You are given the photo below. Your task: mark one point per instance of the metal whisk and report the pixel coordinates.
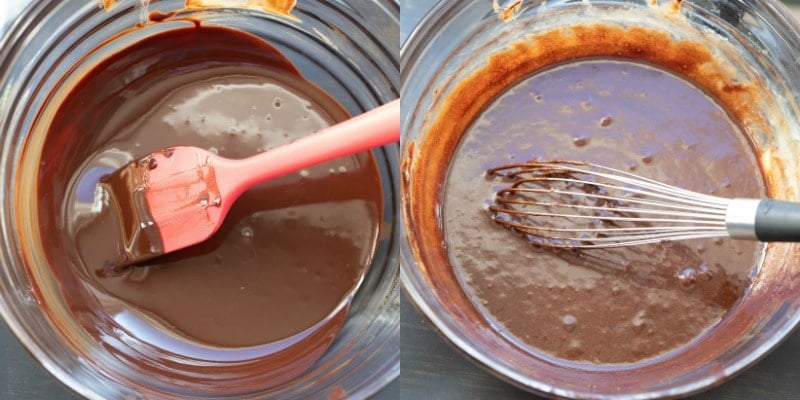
(579, 205)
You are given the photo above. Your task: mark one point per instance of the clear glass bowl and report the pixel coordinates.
(349, 48)
(759, 39)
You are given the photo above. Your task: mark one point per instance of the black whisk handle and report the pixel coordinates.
(777, 221)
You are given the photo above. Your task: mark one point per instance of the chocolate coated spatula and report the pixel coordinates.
(179, 196)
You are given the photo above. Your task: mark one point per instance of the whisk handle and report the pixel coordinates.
(777, 221)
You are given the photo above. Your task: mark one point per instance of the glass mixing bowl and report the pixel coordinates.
(348, 48)
(760, 42)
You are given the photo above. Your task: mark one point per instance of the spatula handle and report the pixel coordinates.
(777, 221)
(763, 219)
(371, 129)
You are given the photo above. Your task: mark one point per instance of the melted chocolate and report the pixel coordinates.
(290, 252)
(125, 209)
(429, 177)
(602, 306)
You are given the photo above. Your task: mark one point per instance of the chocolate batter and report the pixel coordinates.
(290, 252)
(612, 95)
(609, 306)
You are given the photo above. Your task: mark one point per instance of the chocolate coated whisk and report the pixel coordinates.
(579, 205)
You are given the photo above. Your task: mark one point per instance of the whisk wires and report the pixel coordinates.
(573, 204)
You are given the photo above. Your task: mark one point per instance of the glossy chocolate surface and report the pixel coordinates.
(457, 105)
(275, 281)
(601, 306)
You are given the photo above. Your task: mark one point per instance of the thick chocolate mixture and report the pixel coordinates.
(601, 306)
(290, 250)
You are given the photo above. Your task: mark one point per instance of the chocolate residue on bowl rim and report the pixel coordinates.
(277, 7)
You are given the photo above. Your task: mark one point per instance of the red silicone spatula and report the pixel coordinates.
(179, 196)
